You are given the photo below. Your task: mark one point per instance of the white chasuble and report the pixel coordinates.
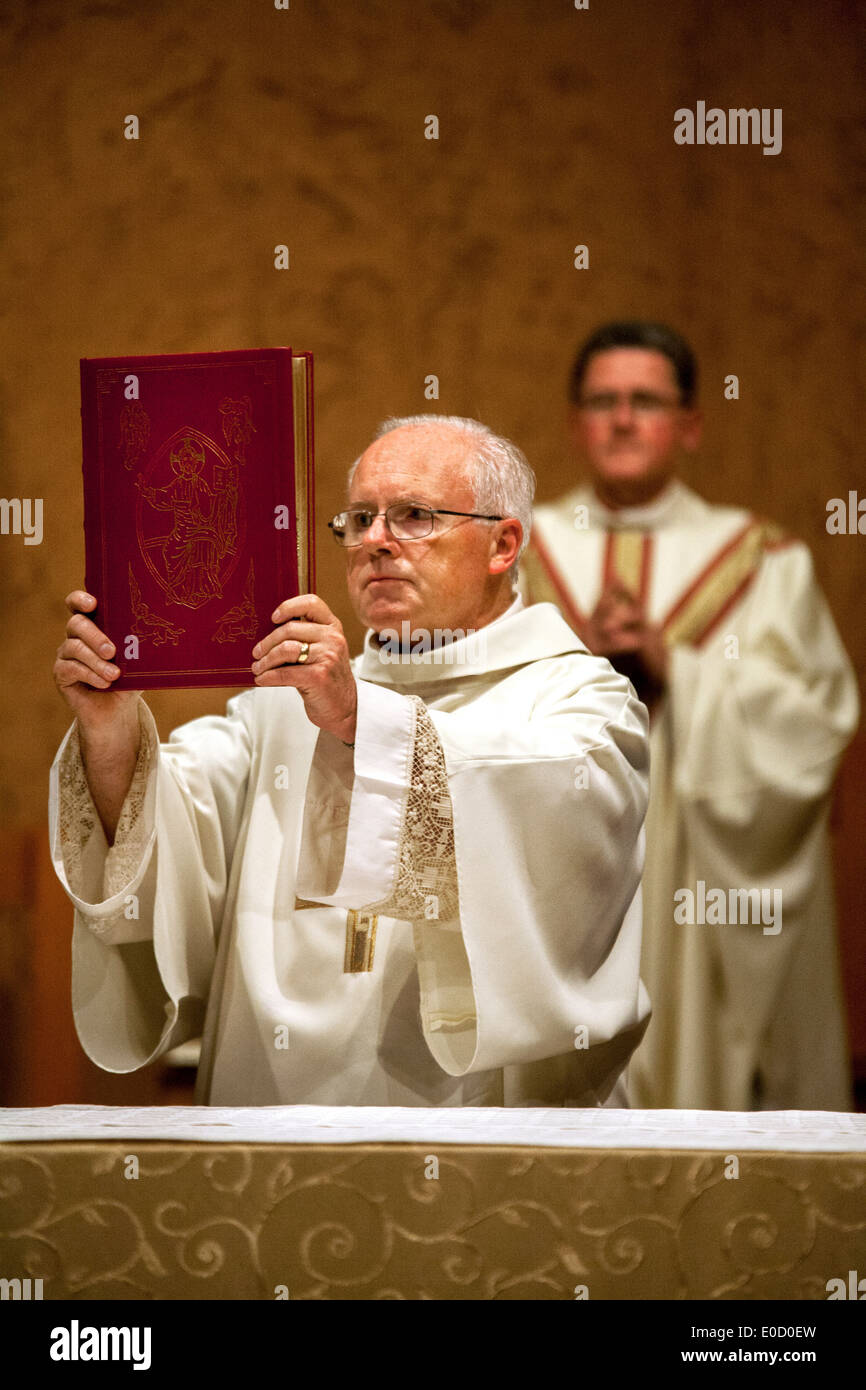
(760, 703)
(447, 914)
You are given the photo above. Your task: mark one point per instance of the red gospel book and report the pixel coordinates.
(198, 507)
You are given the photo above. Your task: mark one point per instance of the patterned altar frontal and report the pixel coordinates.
(308, 1202)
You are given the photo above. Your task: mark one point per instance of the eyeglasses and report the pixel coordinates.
(641, 402)
(407, 521)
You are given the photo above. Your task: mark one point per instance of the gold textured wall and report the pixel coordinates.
(411, 256)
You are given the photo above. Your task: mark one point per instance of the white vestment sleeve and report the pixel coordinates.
(774, 715)
(756, 738)
(148, 909)
(354, 808)
(520, 877)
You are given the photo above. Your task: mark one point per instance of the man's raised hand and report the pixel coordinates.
(308, 650)
(107, 719)
(84, 671)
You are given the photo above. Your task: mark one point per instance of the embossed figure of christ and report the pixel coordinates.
(197, 541)
(373, 881)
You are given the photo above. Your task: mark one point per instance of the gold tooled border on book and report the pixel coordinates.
(300, 408)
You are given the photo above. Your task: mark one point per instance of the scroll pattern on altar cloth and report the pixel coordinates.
(231, 1220)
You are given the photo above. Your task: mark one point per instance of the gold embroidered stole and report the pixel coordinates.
(718, 587)
(627, 561)
(544, 583)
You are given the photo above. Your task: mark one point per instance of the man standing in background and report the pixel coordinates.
(716, 617)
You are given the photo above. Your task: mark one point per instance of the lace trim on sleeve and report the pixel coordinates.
(133, 831)
(78, 817)
(77, 814)
(426, 886)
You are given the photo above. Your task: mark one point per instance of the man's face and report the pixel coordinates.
(631, 427)
(453, 578)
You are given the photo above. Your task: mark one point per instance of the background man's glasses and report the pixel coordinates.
(641, 402)
(405, 520)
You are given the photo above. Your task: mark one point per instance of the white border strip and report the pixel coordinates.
(793, 1131)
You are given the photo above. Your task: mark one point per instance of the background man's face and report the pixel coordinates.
(443, 580)
(630, 447)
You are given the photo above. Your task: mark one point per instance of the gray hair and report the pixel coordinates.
(501, 478)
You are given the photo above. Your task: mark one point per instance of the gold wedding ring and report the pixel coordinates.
(304, 653)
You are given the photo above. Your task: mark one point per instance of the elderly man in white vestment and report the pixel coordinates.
(408, 879)
(716, 617)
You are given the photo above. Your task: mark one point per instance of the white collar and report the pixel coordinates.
(657, 512)
(517, 637)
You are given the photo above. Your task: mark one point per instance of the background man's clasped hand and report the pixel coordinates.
(618, 629)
